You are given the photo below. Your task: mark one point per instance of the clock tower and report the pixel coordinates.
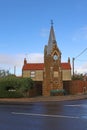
(52, 77)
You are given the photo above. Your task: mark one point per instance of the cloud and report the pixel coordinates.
(44, 32)
(82, 68)
(35, 58)
(6, 59)
(8, 62)
(80, 34)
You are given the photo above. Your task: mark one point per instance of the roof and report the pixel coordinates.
(51, 40)
(66, 66)
(33, 66)
(40, 66)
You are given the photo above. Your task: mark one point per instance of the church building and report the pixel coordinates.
(50, 74)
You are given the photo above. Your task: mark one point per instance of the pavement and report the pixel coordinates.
(43, 98)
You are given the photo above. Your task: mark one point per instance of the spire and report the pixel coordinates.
(51, 22)
(52, 39)
(52, 34)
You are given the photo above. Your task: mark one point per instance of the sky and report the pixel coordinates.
(25, 26)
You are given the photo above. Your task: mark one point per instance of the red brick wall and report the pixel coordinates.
(71, 87)
(75, 86)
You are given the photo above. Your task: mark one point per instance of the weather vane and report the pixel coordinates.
(52, 23)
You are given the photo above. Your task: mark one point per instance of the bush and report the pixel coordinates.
(7, 94)
(57, 92)
(11, 86)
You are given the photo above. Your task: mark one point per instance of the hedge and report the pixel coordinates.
(11, 86)
(7, 94)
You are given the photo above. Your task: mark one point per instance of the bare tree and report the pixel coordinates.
(4, 73)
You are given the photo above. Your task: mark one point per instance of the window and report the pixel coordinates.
(55, 74)
(32, 74)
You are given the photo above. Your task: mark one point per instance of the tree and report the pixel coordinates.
(78, 77)
(13, 86)
(26, 85)
(4, 73)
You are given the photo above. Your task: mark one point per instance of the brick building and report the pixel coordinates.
(50, 74)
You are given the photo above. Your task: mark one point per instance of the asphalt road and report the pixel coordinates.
(66, 115)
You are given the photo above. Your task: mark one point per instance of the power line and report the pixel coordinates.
(80, 53)
(76, 58)
(83, 60)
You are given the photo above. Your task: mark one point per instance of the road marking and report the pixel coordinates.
(77, 105)
(45, 115)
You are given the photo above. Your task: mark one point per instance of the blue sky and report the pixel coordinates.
(25, 26)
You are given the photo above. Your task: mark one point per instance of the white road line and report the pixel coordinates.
(77, 105)
(44, 115)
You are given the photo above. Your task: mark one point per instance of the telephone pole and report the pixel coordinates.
(73, 64)
(74, 58)
(14, 70)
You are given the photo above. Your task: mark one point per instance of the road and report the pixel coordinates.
(66, 115)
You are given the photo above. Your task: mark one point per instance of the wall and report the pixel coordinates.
(72, 87)
(38, 74)
(66, 75)
(75, 86)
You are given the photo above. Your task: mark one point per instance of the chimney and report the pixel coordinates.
(68, 59)
(25, 61)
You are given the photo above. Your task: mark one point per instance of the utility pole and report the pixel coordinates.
(14, 70)
(73, 59)
(73, 65)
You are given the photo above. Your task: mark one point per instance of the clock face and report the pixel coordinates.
(55, 57)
